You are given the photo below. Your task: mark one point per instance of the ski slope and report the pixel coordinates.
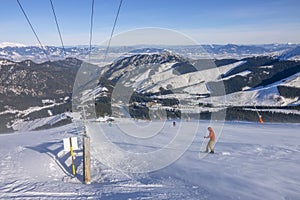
(252, 161)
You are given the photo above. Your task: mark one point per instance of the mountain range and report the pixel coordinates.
(167, 80)
(151, 83)
(30, 91)
(19, 52)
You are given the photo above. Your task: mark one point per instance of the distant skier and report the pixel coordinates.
(212, 139)
(174, 123)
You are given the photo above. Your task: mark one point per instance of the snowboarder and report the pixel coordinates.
(174, 123)
(212, 139)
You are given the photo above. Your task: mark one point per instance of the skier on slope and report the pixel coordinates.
(212, 139)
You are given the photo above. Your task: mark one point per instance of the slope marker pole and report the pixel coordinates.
(72, 156)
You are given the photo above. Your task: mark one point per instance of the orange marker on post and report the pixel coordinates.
(260, 119)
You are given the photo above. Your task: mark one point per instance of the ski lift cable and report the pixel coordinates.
(57, 26)
(91, 29)
(34, 32)
(113, 29)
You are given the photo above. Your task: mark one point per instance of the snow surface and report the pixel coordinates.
(29, 110)
(28, 125)
(226, 69)
(293, 81)
(266, 67)
(252, 161)
(5, 62)
(243, 73)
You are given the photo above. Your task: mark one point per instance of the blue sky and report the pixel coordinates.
(206, 21)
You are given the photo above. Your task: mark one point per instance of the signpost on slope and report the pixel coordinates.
(71, 144)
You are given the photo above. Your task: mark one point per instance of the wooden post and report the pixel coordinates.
(86, 152)
(86, 160)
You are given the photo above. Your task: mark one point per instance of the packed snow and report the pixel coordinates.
(252, 161)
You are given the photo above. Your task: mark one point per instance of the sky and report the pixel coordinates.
(204, 21)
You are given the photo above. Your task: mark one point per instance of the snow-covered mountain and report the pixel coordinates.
(292, 54)
(37, 54)
(11, 44)
(19, 52)
(169, 79)
(158, 79)
(30, 91)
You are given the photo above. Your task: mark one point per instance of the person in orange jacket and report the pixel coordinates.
(212, 139)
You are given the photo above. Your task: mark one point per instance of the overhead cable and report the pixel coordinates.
(113, 29)
(34, 32)
(91, 28)
(57, 26)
